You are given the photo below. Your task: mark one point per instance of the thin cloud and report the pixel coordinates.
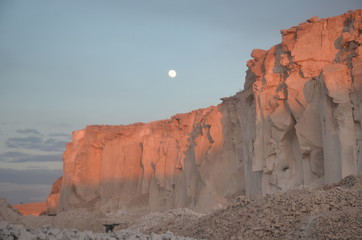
(35, 167)
(30, 142)
(36, 143)
(17, 157)
(28, 131)
(39, 158)
(29, 176)
(53, 145)
(11, 155)
(60, 125)
(60, 135)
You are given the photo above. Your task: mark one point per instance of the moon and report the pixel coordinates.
(172, 73)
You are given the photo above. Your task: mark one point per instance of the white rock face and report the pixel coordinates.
(307, 93)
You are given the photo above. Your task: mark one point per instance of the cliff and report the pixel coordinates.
(308, 93)
(180, 162)
(297, 121)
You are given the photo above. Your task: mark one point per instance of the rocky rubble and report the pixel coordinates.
(80, 219)
(8, 213)
(10, 231)
(332, 212)
(84, 224)
(161, 221)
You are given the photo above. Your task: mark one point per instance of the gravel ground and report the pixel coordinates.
(19, 232)
(330, 212)
(162, 221)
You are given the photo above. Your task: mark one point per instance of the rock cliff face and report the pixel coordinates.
(297, 121)
(165, 164)
(308, 93)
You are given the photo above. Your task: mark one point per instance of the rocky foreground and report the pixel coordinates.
(13, 231)
(330, 212)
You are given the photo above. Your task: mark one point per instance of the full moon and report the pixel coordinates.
(172, 73)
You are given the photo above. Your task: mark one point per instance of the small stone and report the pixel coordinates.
(25, 235)
(3, 224)
(54, 231)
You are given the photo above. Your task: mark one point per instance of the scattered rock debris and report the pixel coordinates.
(330, 212)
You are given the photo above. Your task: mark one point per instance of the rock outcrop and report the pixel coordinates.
(297, 121)
(49, 207)
(34, 208)
(53, 198)
(308, 95)
(180, 162)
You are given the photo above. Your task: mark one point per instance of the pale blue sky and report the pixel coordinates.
(67, 64)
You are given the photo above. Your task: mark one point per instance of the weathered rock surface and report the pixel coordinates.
(180, 162)
(297, 122)
(308, 95)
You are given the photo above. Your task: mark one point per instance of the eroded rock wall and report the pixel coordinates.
(180, 162)
(308, 93)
